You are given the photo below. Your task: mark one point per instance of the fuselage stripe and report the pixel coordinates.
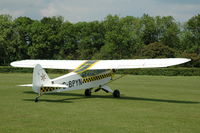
(46, 89)
(99, 77)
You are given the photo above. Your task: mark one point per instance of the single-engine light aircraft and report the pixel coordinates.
(85, 74)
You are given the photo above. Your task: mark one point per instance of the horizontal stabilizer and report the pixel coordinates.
(26, 85)
(56, 85)
(52, 85)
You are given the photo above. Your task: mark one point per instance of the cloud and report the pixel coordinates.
(14, 13)
(181, 12)
(180, 2)
(49, 11)
(70, 10)
(90, 10)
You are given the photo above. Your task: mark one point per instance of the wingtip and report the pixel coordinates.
(187, 60)
(13, 63)
(21, 63)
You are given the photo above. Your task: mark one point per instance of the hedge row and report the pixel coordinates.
(164, 71)
(8, 69)
(147, 71)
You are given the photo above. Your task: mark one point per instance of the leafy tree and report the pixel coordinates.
(113, 38)
(6, 24)
(21, 37)
(91, 39)
(68, 45)
(191, 35)
(168, 31)
(158, 50)
(121, 39)
(46, 40)
(149, 33)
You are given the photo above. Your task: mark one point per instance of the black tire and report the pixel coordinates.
(87, 92)
(116, 93)
(36, 99)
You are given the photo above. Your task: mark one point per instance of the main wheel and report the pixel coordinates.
(116, 93)
(87, 92)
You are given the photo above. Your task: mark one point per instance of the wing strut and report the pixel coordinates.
(121, 76)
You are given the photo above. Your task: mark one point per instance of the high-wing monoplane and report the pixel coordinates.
(85, 74)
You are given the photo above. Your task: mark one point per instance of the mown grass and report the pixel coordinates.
(148, 104)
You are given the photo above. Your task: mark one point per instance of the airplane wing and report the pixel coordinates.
(139, 63)
(52, 64)
(79, 65)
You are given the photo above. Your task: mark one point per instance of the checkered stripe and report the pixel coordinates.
(45, 89)
(98, 77)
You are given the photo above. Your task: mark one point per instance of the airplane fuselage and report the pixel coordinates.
(86, 80)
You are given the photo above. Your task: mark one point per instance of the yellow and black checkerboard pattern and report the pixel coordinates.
(45, 89)
(98, 77)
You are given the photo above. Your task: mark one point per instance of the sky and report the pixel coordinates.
(91, 10)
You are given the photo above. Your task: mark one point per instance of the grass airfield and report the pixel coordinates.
(148, 104)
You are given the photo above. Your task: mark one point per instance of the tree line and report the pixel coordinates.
(112, 38)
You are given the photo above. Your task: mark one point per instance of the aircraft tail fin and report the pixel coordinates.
(40, 78)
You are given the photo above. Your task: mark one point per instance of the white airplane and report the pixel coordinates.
(86, 74)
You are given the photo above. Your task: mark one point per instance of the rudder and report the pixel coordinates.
(40, 78)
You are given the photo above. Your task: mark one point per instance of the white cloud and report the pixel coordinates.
(70, 11)
(179, 12)
(13, 13)
(49, 11)
(90, 10)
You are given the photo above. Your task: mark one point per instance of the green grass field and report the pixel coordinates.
(148, 104)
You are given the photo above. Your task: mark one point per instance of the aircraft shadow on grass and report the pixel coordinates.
(81, 96)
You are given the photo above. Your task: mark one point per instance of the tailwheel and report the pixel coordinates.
(116, 93)
(88, 92)
(37, 98)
